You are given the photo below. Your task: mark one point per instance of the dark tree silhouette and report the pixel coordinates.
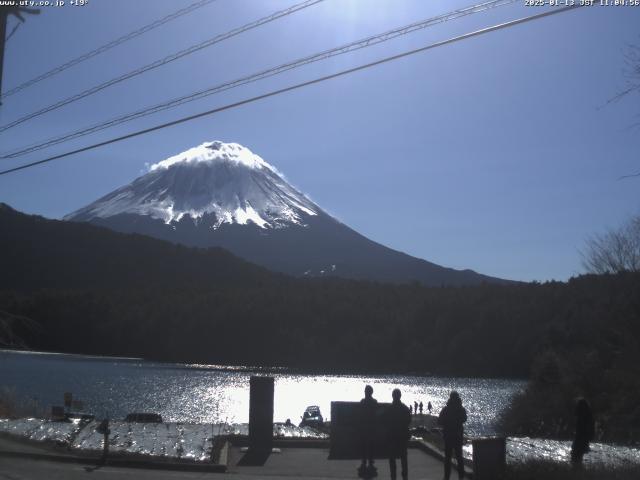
(614, 251)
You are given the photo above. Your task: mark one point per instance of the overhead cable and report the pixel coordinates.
(270, 72)
(297, 86)
(161, 62)
(13, 30)
(107, 46)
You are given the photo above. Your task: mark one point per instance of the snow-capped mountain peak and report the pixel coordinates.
(222, 195)
(216, 151)
(225, 180)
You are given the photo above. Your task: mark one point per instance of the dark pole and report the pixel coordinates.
(4, 14)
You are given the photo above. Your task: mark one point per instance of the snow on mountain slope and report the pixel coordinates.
(222, 195)
(224, 179)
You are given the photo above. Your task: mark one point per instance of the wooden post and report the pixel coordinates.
(103, 429)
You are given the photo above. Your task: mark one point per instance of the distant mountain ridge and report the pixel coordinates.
(221, 194)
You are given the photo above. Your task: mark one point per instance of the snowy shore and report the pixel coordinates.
(169, 440)
(195, 442)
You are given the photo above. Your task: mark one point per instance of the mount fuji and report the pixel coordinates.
(221, 194)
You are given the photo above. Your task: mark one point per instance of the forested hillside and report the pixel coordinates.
(95, 291)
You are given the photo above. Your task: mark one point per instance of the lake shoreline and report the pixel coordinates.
(196, 443)
(256, 368)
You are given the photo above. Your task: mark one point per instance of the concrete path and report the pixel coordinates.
(310, 463)
(20, 445)
(26, 460)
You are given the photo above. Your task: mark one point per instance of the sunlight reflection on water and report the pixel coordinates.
(199, 394)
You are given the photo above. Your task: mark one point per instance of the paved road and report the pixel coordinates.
(310, 463)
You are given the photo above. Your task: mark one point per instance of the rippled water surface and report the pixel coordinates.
(205, 394)
(218, 399)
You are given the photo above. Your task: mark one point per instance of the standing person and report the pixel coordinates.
(368, 407)
(420, 407)
(451, 418)
(398, 421)
(585, 428)
(429, 407)
(415, 408)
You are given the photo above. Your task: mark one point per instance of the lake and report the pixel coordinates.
(213, 394)
(210, 394)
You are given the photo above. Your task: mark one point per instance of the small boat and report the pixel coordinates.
(143, 418)
(79, 416)
(312, 417)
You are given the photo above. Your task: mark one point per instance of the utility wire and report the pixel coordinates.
(298, 86)
(107, 46)
(164, 61)
(13, 30)
(633, 175)
(350, 47)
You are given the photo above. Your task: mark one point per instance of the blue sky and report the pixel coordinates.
(497, 153)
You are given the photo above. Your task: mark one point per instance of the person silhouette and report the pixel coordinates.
(398, 421)
(420, 407)
(415, 408)
(429, 407)
(368, 407)
(584, 431)
(451, 418)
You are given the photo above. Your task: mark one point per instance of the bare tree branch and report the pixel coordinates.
(631, 73)
(614, 251)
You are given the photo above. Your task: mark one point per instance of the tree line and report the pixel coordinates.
(88, 290)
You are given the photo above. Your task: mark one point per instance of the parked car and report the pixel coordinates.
(312, 417)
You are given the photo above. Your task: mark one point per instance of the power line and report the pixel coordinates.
(108, 46)
(13, 31)
(163, 61)
(350, 47)
(633, 175)
(297, 86)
